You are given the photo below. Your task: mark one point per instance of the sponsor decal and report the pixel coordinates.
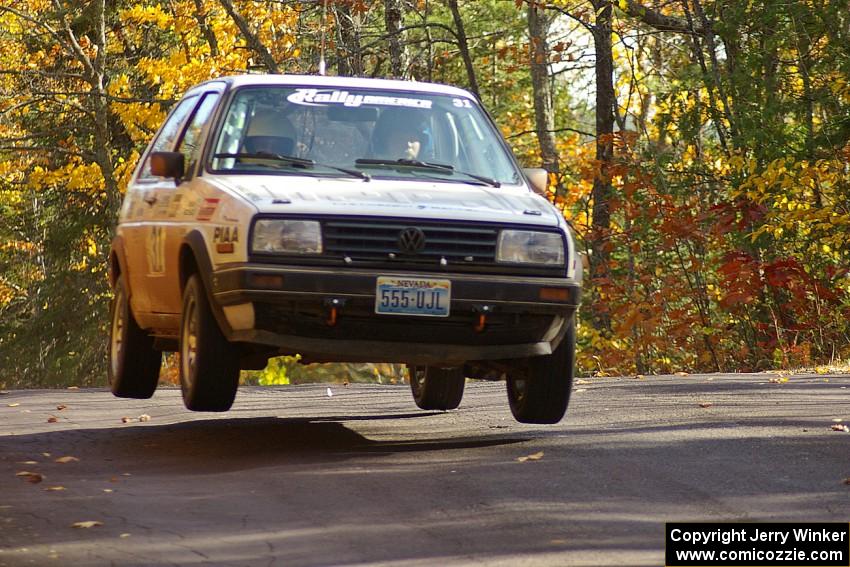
(226, 234)
(224, 238)
(174, 206)
(162, 205)
(318, 97)
(207, 210)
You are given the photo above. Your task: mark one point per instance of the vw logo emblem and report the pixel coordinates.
(411, 240)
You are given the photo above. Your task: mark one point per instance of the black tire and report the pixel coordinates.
(539, 391)
(133, 368)
(436, 388)
(209, 363)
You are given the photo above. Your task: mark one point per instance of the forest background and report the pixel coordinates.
(698, 147)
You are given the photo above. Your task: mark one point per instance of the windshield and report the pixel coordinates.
(385, 134)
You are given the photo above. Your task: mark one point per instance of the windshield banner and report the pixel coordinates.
(316, 97)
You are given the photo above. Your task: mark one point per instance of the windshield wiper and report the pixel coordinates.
(289, 160)
(295, 161)
(441, 167)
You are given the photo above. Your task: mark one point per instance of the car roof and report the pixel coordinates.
(338, 82)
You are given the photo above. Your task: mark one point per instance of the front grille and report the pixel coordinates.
(373, 243)
(370, 240)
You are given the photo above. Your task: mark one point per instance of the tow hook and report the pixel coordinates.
(334, 305)
(483, 311)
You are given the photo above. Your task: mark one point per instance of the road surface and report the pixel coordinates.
(291, 476)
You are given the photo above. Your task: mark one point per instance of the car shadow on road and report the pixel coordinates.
(236, 444)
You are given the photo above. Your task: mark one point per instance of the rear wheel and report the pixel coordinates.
(133, 362)
(436, 388)
(209, 363)
(539, 391)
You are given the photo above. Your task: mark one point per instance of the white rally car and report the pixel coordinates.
(349, 220)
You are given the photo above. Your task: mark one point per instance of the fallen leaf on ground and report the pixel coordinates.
(638, 376)
(577, 390)
(86, 524)
(126, 419)
(706, 404)
(144, 417)
(578, 382)
(46, 454)
(780, 380)
(73, 387)
(60, 407)
(54, 488)
(682, 374)
(52, 419)
(532, 457)
(67, 459)
(108, 490)
(28, 463)
(124, 535)
(840, 427)
(32, 477)
(837, 420)
(14, 405)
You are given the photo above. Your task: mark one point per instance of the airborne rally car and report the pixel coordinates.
(349, 220)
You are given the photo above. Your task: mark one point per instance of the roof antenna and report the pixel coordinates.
(322, 52)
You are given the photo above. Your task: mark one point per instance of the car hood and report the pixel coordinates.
(404, 198)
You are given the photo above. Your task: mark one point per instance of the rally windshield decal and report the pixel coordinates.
(316, 97)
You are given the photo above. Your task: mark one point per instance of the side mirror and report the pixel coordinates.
(539, 179)
(168, 164)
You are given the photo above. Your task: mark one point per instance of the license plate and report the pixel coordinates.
(413, 296)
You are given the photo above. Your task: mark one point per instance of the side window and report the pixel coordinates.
(190, 145)
(168, 135)
(230, 138)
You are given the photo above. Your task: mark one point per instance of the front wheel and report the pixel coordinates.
(133, 362)
(539, 391)
(209, 363)
(436, 388)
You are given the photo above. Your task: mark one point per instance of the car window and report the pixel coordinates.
(168, 134)
(190, 145)
(338, 127)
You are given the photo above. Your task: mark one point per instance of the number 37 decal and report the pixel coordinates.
(156, 250)
(461, 103)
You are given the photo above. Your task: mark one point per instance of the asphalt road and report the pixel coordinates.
(291, 476)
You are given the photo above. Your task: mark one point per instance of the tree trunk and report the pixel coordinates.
(544, 119)
(209, 35)
(251, 38)
(463, 45)
(392, 20)
(348, 27)
(602, 190)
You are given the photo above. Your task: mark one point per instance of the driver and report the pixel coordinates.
(398, 134)
(271, 132)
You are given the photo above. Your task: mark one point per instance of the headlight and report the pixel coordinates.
(287, 236)
(529, 247)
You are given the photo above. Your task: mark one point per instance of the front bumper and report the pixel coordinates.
(294, 313)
